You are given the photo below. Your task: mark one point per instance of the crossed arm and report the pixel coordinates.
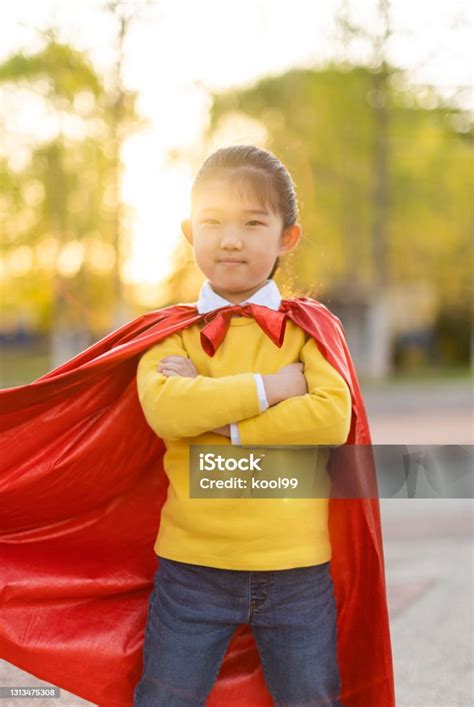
(178, 402)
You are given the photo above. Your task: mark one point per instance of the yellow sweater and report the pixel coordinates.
(241, 533)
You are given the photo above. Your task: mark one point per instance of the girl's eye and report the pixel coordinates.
(213, 222)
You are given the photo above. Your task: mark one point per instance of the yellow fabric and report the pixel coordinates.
(245, 533)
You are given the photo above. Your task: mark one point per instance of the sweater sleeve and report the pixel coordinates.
(321, 417)
(178, 406)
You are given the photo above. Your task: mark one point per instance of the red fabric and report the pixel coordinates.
(217, 322)
(81, 490)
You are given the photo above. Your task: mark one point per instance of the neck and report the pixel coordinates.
(237, 297)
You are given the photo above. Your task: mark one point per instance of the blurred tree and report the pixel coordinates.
(66, 201)
(377, 328)
(122, 119)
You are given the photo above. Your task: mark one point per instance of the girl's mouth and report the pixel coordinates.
(232, 262)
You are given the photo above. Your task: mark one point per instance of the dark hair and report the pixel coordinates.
(268, 178)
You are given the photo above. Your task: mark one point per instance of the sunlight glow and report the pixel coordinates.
(159, 197)
(70, 258)
(176, 54)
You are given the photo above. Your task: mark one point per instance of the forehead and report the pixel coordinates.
(240, 195)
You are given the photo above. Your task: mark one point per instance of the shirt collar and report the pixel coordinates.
(268, 296)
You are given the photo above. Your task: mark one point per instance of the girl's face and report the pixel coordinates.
(236, 241)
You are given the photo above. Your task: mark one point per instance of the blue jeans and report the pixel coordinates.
(194, 610)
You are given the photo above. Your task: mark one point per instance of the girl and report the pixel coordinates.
(223, 562)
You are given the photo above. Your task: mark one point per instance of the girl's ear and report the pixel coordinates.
(187, 230)
(290, 238)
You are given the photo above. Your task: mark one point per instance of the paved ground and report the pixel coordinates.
(421, 413)
(428, 552)
(429, 571)
(428, 558)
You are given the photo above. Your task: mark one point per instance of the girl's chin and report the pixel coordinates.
(237, 284)
(232, 276)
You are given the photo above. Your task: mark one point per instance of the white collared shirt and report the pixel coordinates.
(268, 296)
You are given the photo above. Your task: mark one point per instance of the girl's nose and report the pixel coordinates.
(231, 236)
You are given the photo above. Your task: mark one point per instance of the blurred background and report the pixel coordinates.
(108, 109)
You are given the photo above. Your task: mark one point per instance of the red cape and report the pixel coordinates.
(81, 492)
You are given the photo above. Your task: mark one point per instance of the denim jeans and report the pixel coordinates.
(194, 610)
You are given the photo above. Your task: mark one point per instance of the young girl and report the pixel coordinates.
(225, 562)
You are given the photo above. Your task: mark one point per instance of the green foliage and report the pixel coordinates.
(65, 194)
(64, 70)
(320, 122)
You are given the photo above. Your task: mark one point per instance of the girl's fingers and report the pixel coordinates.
(180, 364)
(172, 366)
(176, 359)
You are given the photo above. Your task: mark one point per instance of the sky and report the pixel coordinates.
(178, 50)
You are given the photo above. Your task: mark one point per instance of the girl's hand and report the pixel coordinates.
(224, 431)
(288, 382)
(177, 366)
